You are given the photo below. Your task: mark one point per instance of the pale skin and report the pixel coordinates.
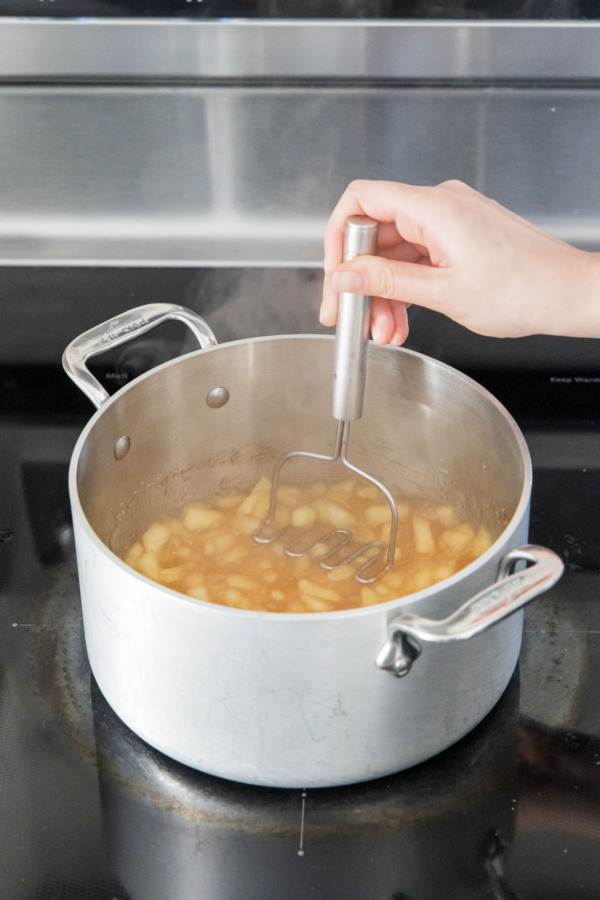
(453, 250)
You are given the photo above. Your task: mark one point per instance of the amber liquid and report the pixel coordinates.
(208, 551)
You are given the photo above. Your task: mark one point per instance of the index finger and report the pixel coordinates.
(386, 201)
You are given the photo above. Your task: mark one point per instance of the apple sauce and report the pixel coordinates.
(207, 551)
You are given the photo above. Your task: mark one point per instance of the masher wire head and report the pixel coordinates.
(338, 538)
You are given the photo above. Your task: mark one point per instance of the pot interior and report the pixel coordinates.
(426, 431)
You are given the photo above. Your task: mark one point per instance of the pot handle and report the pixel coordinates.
(119, 330)
(511, 591)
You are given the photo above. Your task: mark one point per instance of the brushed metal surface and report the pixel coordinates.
(248, 175)
(381, 49)
(353, 327)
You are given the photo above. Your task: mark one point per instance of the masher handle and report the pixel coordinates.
(352, 332)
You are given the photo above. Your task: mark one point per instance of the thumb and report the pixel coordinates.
(391, 279)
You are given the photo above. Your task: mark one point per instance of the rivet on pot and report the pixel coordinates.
(122, 446)
(217, 397)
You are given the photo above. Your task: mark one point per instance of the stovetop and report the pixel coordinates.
(90, 812)
(473, 10)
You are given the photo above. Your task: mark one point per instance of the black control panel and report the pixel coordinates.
(473, 10)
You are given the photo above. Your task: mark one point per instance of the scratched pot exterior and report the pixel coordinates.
(280, 699)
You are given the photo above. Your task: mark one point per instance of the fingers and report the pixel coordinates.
(400, 316)
(329, 305)
(405, 213)
(383, 201)
(389, 321)
(401, 211)
(382, 321)
(390, 279)
(393, 284)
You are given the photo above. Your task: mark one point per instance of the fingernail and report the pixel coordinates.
(350, 282)
(379, 334)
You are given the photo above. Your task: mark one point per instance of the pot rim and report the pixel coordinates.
(388, 607)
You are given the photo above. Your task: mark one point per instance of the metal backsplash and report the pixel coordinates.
(248, 175)
(198, 163)
(224, 142)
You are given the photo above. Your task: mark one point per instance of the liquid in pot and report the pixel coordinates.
(207, 551)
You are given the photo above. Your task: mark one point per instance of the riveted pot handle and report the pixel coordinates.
(119, 330)
(509, 593)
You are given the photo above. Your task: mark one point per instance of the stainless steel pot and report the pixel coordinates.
(304, 700)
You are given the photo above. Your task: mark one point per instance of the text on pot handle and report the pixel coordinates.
(117, 331)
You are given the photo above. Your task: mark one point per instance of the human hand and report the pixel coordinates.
(451, 249)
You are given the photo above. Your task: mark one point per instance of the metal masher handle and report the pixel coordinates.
(352, 333)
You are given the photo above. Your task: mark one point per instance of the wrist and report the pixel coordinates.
(582, 296)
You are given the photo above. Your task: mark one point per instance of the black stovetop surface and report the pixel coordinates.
(90, 812)
(467, 10)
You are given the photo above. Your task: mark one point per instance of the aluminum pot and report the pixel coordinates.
(295, 700)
